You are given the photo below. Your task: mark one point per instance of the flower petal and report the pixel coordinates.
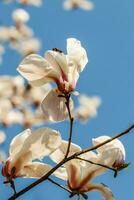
(36, 170)
(34, 145)
(77, 53)
(113, 144)
(106, 192)
(60, 153)
(74, 173)
(58, 61)
(18, 141)
(61, 173)
(54, 107)
(42, 142)
(36, 70)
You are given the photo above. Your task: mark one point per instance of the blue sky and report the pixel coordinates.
(107, 33)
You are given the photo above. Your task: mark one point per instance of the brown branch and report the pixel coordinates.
(94, 163)
(71, 124)
(37, 182)
(57, 184)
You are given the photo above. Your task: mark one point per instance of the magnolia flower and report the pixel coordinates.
(29, 146)
(4, 34)
(88, 107)
(79, 175)
(62, 69)
(84, 4)
(31, 2)
(29, 46)
(20, 16)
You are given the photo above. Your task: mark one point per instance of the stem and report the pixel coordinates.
(105, 142)
(71, 124)
(61, 186)
(13, 186)
(26, 189)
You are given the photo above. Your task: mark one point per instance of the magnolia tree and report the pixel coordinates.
(38, 101)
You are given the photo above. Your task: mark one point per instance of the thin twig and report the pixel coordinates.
(61, 186)
(94, 163)
(71, 119)
(37, 182)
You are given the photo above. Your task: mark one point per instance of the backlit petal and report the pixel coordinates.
(36, 170)
(77, 53)
(54, 107)
(36, 70)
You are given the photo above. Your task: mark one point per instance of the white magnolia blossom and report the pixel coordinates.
(84, 4)
(26, 2)
(63, 69)
(4, 34)
(79, 176)
(31, 2)
(20, 16)
(27, 147)
(29, 46)
(17, 102)
(19, 36)
(87, 107)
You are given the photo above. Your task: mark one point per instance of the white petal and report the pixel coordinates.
(58, 61)
(18, 141)
(20, 16)
(33, 145)
(87, 5)
(61, 173)
(60, 153)
(74, 173)
(35, 69)
(77, 53)
(42, 142)
(54, 107)
(36, 170)
(106, 192)
(115, 143)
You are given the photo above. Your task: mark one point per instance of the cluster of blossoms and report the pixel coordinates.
(32, 145)
(20, 104)
(19, 36)
(73, 4)
(68, 4)
(28, 146)
(36, 3)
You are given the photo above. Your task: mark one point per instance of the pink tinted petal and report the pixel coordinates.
(74, 173)
(106, 192)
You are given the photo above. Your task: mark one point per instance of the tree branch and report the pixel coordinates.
(37, 182)
(57, 184)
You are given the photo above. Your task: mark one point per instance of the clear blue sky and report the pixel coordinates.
(107, 33)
